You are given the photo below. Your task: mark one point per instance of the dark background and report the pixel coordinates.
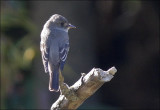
(124, 34)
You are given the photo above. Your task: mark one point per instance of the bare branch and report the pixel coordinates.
(87, 85)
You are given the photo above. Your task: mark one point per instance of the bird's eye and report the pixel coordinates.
(62, 24)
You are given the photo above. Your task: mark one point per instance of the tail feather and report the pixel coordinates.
(54, 80)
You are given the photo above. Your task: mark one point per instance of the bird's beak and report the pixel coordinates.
(71, 26)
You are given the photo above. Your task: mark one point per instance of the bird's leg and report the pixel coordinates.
(61, 78)
(64, 89)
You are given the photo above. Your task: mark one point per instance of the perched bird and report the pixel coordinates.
(54, 47)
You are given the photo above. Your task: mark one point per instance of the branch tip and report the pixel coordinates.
(112, 70)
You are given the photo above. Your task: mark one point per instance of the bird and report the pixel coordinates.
(54, 47)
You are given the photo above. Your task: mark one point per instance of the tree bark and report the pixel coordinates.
(72, 97)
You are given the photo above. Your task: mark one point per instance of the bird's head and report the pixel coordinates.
(61, 23)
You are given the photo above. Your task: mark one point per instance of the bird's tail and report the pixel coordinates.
(54, 80)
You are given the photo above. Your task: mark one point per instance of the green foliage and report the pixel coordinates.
(18, 49)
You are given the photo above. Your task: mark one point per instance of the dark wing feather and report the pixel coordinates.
(44, 46)
(63, 51)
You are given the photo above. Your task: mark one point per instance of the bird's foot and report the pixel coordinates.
(64, 88)
(67, 92)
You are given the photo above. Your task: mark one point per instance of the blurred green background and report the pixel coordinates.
(124, 34)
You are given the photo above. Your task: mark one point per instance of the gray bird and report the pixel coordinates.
(54, 47)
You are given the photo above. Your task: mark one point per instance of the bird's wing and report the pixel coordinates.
(44, 46)
(63, 51)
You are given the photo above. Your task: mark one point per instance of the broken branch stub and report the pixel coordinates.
(87, 85)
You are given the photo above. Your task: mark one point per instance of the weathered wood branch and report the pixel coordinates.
(72, 97)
